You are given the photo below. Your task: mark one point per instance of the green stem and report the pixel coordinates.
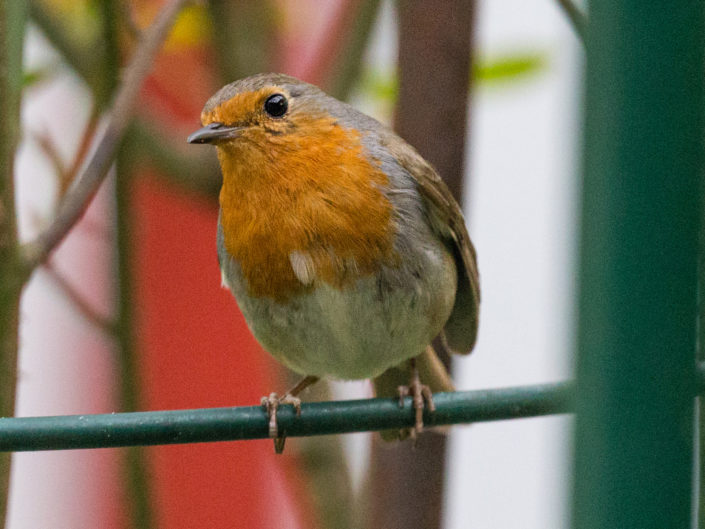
(86, 184)
(347, 70)
(147, 144)
(137, 484)
(243, 34)
(577, 18)
(321, 458)
(86, 61)
(144, 140)
(12, 23)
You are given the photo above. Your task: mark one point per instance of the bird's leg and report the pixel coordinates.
(419, 392)
(273, 401)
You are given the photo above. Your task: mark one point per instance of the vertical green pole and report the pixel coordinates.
(644, 156)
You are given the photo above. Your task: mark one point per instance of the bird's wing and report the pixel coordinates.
(446, 218)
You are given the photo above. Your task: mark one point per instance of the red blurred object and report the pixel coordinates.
(196, 351)
(310, 54)
(195, 348)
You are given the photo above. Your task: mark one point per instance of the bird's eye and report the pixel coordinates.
(276, 105)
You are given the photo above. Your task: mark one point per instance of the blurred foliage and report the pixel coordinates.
(508, 69)
(345, 73)
(244, 33)
(33, 77)
(192, 28)
(511, 68)
(81, 20)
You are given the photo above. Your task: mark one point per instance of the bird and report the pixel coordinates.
(343, 247)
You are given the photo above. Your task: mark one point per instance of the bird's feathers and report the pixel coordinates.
(446, 218)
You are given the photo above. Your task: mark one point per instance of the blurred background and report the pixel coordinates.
(128, 314)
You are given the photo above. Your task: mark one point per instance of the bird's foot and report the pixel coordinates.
(271, 404)
(421, 398)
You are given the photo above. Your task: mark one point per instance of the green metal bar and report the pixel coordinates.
(250, 422)
(641, 215)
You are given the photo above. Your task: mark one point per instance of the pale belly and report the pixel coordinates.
(357, 331)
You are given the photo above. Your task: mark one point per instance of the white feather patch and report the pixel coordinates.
(224, 281)
(303, 267)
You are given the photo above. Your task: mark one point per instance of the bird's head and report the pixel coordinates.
(262, 109)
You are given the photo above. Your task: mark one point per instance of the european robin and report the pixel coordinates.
(344, 249)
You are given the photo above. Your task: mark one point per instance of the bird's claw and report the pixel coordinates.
(270, 405)
(421, 398)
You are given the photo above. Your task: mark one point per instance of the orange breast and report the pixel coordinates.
(312, 192)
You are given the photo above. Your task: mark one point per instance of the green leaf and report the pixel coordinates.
(506, 68)
(33, 77)
(510, 67)
(380, 85)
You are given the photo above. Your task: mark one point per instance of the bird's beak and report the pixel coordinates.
(214, 133)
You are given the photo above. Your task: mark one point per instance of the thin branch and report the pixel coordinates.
(243, 34)
(66, 174)
(136, 484)
(127, 16)
(103, 323)
(338, 31)
(85, 143)
(145, 141)
(148, 144)
(51, 151)
(578, 19)
(345, 70)
(86, 184)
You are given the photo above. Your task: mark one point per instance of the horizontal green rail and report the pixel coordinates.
(250, 422)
